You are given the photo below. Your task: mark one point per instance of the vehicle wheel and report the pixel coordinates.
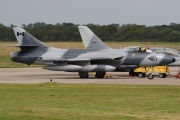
(100, 74)
(141, 75)
(162, 75)
(83, 74)
(150, 76)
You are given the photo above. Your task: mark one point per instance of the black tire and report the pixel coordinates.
(150, 76)
(100, 74)
(83, 74)
(141, 75)
(162, 75)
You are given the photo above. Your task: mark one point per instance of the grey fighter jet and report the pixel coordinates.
(98, 59)
(91, 41)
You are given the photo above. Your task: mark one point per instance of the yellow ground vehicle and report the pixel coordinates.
(141, 71)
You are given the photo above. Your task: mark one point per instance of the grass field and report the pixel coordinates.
(88, 102)
(6, 62)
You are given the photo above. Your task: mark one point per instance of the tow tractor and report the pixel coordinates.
(142, 71)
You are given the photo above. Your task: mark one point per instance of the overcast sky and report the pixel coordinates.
(103, 12)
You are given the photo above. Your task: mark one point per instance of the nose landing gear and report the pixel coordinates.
(151, 75)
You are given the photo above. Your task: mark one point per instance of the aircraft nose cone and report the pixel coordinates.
(167, 60)
(176, 62)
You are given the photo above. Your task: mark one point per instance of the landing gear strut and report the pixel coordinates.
(100, 74)
(151, 75)
(83, 74)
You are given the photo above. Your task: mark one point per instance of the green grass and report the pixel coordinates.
(88, 102)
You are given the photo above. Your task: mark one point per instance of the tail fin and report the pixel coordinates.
(26, 40)
(90, 40)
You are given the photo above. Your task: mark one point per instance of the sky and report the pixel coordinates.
(103, 12)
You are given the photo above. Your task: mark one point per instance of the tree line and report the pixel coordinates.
(112, 32)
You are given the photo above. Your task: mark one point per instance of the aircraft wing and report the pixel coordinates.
(89, 58)
(93, 58)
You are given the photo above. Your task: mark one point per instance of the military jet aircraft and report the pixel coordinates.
(91, 41)
(98, 59)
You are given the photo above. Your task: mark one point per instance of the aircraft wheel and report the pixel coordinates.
(100, 74)
(150, 76)
(83, 74)
(141, 75)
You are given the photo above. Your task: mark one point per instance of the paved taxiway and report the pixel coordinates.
(39, 75)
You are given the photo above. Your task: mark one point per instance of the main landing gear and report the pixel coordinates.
(83, 74)
(100, 74)
(86, 74)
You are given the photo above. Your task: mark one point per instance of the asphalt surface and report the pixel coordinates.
(39, 75)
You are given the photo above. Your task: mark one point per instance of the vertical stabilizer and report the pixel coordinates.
(25, 39)
(90, 40)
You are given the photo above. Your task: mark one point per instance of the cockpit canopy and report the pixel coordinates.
(166, 51)
(138, 49)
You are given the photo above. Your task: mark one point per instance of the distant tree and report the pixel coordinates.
(12, 25)
(1, 25)
(29, 25)
(58, 24)
(38, 24)
(174, 26)
(112, 32)
(115, 25)
(67, 24)
(24, 26)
